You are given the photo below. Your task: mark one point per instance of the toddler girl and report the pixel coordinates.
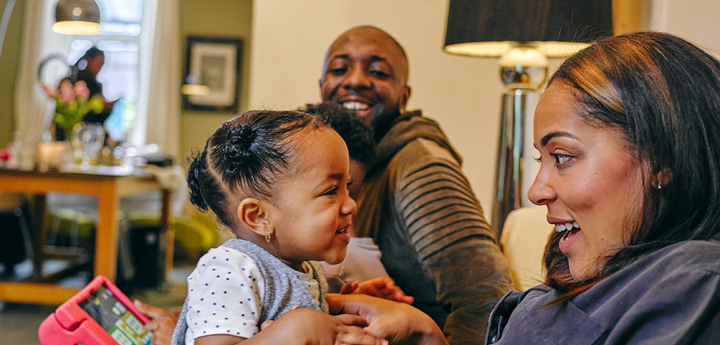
(279, 180)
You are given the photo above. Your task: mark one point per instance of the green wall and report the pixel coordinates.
(213, 18)
(9, 60)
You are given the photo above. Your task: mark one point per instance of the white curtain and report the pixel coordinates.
(159, 100)
(39, 41)
(160, 79)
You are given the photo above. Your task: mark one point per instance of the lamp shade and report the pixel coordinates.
(555, 27)
(77, 17)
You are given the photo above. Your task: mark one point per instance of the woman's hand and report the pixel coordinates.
(308, 326)
(162, 322)
(397, 322)
(381, 287)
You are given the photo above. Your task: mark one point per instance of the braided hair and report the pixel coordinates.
(246, 155)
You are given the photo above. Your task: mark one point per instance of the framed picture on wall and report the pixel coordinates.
(212, 74)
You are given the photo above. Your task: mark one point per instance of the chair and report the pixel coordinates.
(525, 234)
(16, 243)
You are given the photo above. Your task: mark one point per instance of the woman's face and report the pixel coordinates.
(589, 179)
(94, 65)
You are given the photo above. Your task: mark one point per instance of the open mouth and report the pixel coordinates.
(569, 228)
(343, 230)
(360, 108)
(356, 106)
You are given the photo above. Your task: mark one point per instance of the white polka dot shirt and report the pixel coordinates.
(225, 294)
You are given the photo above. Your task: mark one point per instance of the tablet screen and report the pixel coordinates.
(115, 318)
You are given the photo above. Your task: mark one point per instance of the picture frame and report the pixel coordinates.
(216, 63)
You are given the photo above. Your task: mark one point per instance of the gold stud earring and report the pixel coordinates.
(268, 237)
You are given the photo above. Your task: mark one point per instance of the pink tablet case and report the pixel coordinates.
(70, 324)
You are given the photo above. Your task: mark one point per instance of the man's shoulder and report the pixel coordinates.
(424, 151)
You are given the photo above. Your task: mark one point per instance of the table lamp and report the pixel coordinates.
(523, 34)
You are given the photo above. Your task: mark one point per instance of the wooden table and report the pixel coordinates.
(108, 185)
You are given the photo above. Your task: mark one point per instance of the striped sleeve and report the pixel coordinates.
(456, 248)
(439, 209)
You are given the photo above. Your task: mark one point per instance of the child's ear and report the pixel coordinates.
(251, 214)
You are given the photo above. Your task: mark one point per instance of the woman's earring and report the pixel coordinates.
(268, 237)
(659, 185)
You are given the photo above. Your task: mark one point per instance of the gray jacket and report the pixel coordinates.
(671, 296)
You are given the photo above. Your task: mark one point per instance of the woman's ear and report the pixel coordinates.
(251, 214)
(664, 178)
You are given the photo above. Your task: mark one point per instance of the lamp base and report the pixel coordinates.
(515, 172)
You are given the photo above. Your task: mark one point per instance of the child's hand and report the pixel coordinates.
(382, 287)
(162, 322)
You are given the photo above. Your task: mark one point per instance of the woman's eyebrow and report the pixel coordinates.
(552, 135)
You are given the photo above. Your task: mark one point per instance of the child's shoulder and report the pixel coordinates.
(226, 255)
(226, 263)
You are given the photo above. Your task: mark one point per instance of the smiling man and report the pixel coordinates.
(415, 200)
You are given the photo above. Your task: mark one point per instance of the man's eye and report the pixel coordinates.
(379, 74)
(338, 71)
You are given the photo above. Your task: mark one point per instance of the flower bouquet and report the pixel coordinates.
(73, 102)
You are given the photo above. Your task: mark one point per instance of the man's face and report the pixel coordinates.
(366, 71)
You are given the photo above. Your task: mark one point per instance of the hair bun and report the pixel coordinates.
(240, 140)
(242, 136)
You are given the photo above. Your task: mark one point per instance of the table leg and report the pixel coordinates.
(166, 220)
(106, 234)
(39, 235)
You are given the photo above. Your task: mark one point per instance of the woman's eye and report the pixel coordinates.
(538, 159)
(560, 159)
(349, 183)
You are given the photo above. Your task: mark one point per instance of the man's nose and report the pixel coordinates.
(358, 78)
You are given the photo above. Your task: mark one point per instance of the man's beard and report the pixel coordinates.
(382, 122)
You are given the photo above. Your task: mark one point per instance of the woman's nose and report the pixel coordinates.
(540, 192)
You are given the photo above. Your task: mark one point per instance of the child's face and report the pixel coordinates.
(311, 209)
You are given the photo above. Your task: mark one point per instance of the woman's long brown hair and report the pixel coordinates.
(663, 93)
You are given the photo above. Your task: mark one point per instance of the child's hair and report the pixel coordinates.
(246, 155)
(357, 135)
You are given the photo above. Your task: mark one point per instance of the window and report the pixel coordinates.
(119, 38)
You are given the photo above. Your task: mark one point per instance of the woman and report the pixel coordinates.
(86, 69)
(81, 85)
(628, 132)
(630, 161)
